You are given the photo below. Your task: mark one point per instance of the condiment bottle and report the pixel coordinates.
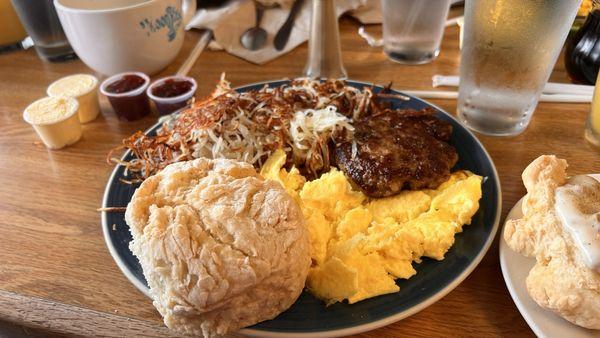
(582, 53)
(324, 52)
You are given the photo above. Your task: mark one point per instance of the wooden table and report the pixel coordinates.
(56, 272)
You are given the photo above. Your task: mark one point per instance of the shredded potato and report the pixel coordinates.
(305, 118)
(311, 130)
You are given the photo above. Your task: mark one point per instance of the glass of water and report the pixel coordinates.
(509, 50)
(42, 24)
(413, 29)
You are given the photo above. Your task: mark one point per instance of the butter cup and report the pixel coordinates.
(61, 132)
(89, 106)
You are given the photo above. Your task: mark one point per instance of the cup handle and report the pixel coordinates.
(373, 42)
(189, 9)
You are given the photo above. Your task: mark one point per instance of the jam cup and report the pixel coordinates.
(172, 93)
(126, 93)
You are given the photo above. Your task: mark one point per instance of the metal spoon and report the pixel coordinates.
(255, 37)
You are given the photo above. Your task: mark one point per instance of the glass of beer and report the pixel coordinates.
(592, 126)
(413, 29)
(12, 32)
(509, 50)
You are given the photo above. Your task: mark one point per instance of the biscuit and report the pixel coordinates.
(560, 281)
(221, 247)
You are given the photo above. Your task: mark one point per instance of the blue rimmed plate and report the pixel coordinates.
(309, 317)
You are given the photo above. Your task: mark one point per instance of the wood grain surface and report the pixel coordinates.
(55, 270)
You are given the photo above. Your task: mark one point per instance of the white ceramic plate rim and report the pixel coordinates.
(527, 307)
(350, 330)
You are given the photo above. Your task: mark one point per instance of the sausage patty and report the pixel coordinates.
(396, 150)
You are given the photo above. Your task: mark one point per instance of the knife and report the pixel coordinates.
(283, 35)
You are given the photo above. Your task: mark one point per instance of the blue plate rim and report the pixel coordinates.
(353, 329)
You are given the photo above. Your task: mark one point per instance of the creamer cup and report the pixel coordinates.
(89, 106)
(57, 132)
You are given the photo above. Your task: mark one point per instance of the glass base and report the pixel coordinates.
(412, 58)
(483, 131)
(56, 53)
(592, 137)
(494, 119)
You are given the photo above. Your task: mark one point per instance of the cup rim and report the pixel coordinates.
(133, 92)
(92, 88)
(62, 7)
(66, 117)
(173, 99)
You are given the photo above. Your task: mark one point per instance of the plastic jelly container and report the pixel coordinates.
(82, 87)
(126, 93)
(55, 119)
(172, 93)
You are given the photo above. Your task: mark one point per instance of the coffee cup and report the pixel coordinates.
(114, 36)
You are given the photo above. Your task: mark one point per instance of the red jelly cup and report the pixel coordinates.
(126, 93)
(172, 93)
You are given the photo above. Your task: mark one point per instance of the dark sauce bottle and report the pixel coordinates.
(582, 54)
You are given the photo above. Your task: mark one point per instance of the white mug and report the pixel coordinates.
(114, 36)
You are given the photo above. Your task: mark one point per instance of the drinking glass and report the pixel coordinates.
(413, 29)
(12, 32)
(592, 125)
(509, 50)
(41, 23)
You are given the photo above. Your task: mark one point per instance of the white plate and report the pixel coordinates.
(515, 269)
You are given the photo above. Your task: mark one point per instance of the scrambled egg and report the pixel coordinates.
(359, 246)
